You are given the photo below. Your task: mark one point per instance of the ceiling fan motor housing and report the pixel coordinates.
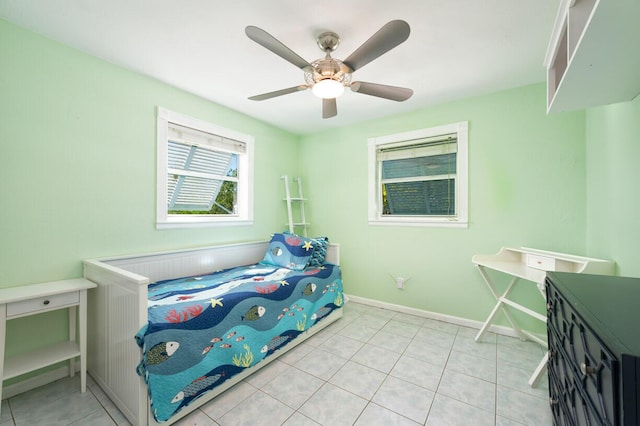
(328, 68)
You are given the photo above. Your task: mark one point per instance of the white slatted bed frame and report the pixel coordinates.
(117, 309)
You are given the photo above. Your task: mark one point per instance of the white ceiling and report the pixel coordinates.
(457, 48)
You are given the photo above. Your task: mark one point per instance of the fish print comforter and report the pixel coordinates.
(203, 330)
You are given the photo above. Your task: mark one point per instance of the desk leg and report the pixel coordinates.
(499, 304)
(539, 370)
(72, 338)
(488, 322)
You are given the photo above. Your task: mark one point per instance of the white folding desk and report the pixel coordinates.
(530, 265)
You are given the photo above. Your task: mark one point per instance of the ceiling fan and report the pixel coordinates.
(328, 77)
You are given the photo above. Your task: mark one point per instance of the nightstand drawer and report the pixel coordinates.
(47, 303)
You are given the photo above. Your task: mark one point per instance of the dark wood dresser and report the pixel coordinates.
(593, 329)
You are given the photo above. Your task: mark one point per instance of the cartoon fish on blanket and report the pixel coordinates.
(254, 313)
(309, 289)
(275, 343)
(320, 313)
(196, 387)
(161, 352)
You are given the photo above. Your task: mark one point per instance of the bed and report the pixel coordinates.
(193, 323)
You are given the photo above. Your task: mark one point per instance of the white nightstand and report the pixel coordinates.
(16, 302)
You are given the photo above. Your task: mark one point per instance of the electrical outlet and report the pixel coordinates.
(400, 282)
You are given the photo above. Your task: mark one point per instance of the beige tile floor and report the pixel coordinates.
(372, 367)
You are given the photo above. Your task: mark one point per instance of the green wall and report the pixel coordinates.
(526, 188)
(78, 168)
(613, 197)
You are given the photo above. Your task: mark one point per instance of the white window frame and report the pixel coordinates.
(460, 220)
(244, 214)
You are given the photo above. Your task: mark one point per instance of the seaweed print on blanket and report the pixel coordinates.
(184, 315)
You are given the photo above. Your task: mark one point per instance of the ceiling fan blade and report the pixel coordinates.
(281, 92)
(389, 36)
(382, 91)
(329, 108)
(268, 41)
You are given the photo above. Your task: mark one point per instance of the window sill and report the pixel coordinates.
(177, 224)
(442, 223)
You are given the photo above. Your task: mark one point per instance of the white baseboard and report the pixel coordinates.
(498, 329)
(37, 381)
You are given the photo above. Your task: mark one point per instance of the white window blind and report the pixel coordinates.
(198, 165)
(204, 173)
(415, 177)
(186, 135)
(418, 178)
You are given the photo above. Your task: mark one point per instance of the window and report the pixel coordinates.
(419, 178)
(205, 173)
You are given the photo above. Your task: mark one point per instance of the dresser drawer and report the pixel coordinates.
(576, 352)
(569, 404)
(47, 303)
(580, 409)
(558, 363)
(597, 370)
(556, 311)
(558, 400)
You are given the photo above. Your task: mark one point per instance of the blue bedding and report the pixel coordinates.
(203, 330)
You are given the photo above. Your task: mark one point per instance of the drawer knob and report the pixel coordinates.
(585, 369)
(46, 302)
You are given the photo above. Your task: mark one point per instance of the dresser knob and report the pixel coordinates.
(585, 369)
(46, 302)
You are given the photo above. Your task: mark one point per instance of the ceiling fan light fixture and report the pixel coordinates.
(328, 88)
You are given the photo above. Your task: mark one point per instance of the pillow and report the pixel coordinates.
(289, 251)
(319, 251)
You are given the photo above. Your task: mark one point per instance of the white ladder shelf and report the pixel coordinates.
(298, 201)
